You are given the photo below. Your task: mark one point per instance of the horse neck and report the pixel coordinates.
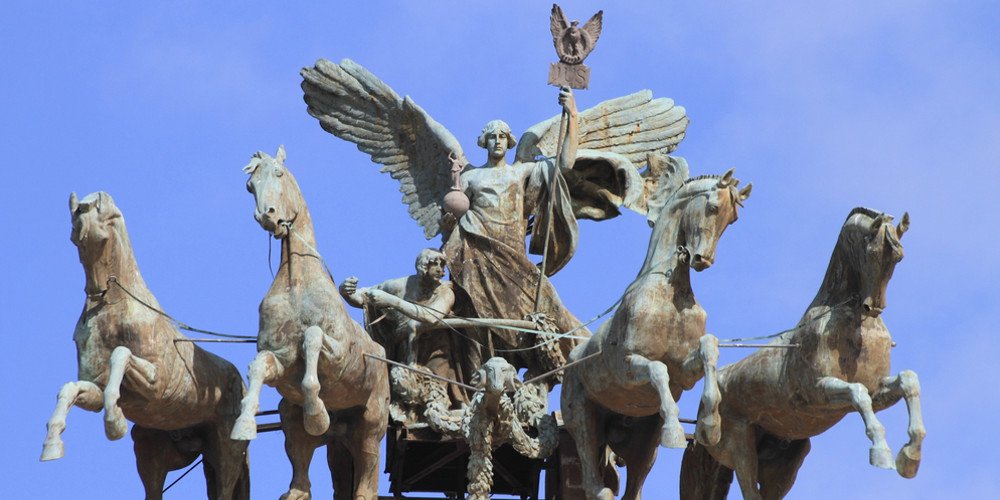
(661, 255)
(117, 259)
(841, 281)
(300, 260)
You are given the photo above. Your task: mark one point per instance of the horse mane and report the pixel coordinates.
(874, 214)
(703, 176)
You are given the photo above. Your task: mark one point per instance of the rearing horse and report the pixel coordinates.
(311, 350)
(776, 399)
(183, 399)
(655, 346)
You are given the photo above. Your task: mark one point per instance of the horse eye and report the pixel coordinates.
(279, 172)
(712, 208)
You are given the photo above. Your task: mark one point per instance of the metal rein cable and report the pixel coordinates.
(113, 280)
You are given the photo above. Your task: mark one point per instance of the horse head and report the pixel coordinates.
(96, 221)
(277, 195)
(699, 209)
(873, 246)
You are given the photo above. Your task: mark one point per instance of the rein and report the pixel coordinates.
(113, 280)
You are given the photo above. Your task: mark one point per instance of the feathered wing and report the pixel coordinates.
(353, 104)
(593, 31)
(557, 25)
(621, 131)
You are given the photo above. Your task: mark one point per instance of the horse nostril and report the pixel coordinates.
(270, 210)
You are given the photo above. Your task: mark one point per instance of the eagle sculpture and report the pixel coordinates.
(574, 43)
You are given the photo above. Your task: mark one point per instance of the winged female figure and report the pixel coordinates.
(488, 261)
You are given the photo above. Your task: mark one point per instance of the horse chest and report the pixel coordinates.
(98, 333)
(285, 314)
(858, 355)
(665, 333)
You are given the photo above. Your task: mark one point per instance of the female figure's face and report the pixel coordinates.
(496, 144)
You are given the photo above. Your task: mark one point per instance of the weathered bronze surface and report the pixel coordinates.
(183, 400)
(774, 400)
(655, 346)
(311, 350)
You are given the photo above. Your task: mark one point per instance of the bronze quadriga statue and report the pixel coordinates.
(311, 350)
(655, 346)
(134, 364)
(774, 400)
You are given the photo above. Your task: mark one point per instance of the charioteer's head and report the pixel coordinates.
(430, 265)
(496, 138)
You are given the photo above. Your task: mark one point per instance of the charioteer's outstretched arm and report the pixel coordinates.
(349, 291)
(426, 314)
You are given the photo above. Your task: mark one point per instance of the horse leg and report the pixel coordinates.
(121, 361)
(316, 419)
(581, 417)
(645, 371)
(839, 391)
(739, 443)
(777, 473)
(363, 443)
(155, 455)
(228, 460)
(299, 446)
(704, 362)
(906, 386)
(264, 369)
(639, 453)
(84, 394)
(338, 457)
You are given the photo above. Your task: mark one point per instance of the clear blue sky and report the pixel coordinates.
(826, 106)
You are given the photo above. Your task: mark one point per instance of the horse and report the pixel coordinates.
(655, 346)
(134, 364)
(310, 349)
(774, 400)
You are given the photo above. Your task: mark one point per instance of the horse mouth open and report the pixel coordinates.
(872, 308)
(700, 262)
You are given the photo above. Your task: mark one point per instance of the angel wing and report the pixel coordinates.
(353, 104)
(622, 131)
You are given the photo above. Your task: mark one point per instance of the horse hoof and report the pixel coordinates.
(316, 424)
(673, 436)
(244, 430)
(881, 458)
(294, 494)
(907, 462)
(605, 494)
(115, 428)
(52, 451)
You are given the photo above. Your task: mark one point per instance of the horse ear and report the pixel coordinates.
(903, 225)
(727, 179)
(281, 154)
(745, 192)
(876, 224)
(73, 202)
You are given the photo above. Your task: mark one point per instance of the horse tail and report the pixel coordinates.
(702, 476)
